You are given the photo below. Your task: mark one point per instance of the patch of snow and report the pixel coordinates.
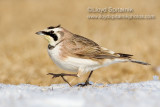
(155, 77)
(143, 94)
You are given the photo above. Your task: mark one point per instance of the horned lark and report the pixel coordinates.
(78, 54)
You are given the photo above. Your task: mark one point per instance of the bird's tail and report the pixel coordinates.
(139, 62)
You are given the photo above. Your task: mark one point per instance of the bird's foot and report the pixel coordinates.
(62, 75)
(85, 84)
(56, 75)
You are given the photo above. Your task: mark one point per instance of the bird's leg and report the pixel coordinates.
(87, 81)
(62, 75)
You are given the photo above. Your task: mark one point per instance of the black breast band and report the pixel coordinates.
(50, 47)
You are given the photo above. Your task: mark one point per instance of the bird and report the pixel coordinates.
(78, 54)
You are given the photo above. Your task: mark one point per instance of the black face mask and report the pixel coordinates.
(51, 33)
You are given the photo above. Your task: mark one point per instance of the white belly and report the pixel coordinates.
(54, 54)
(71, 63)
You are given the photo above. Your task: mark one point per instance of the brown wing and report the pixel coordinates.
(82, 47)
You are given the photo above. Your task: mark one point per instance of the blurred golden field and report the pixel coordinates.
(24, 57)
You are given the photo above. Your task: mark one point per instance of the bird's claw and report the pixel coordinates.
(54, 75)
(85, 84)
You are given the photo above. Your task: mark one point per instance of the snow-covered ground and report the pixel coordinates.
(143, 94)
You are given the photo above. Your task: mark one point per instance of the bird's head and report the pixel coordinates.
(52, 34)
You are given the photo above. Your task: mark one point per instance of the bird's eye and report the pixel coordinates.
(51, 32)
